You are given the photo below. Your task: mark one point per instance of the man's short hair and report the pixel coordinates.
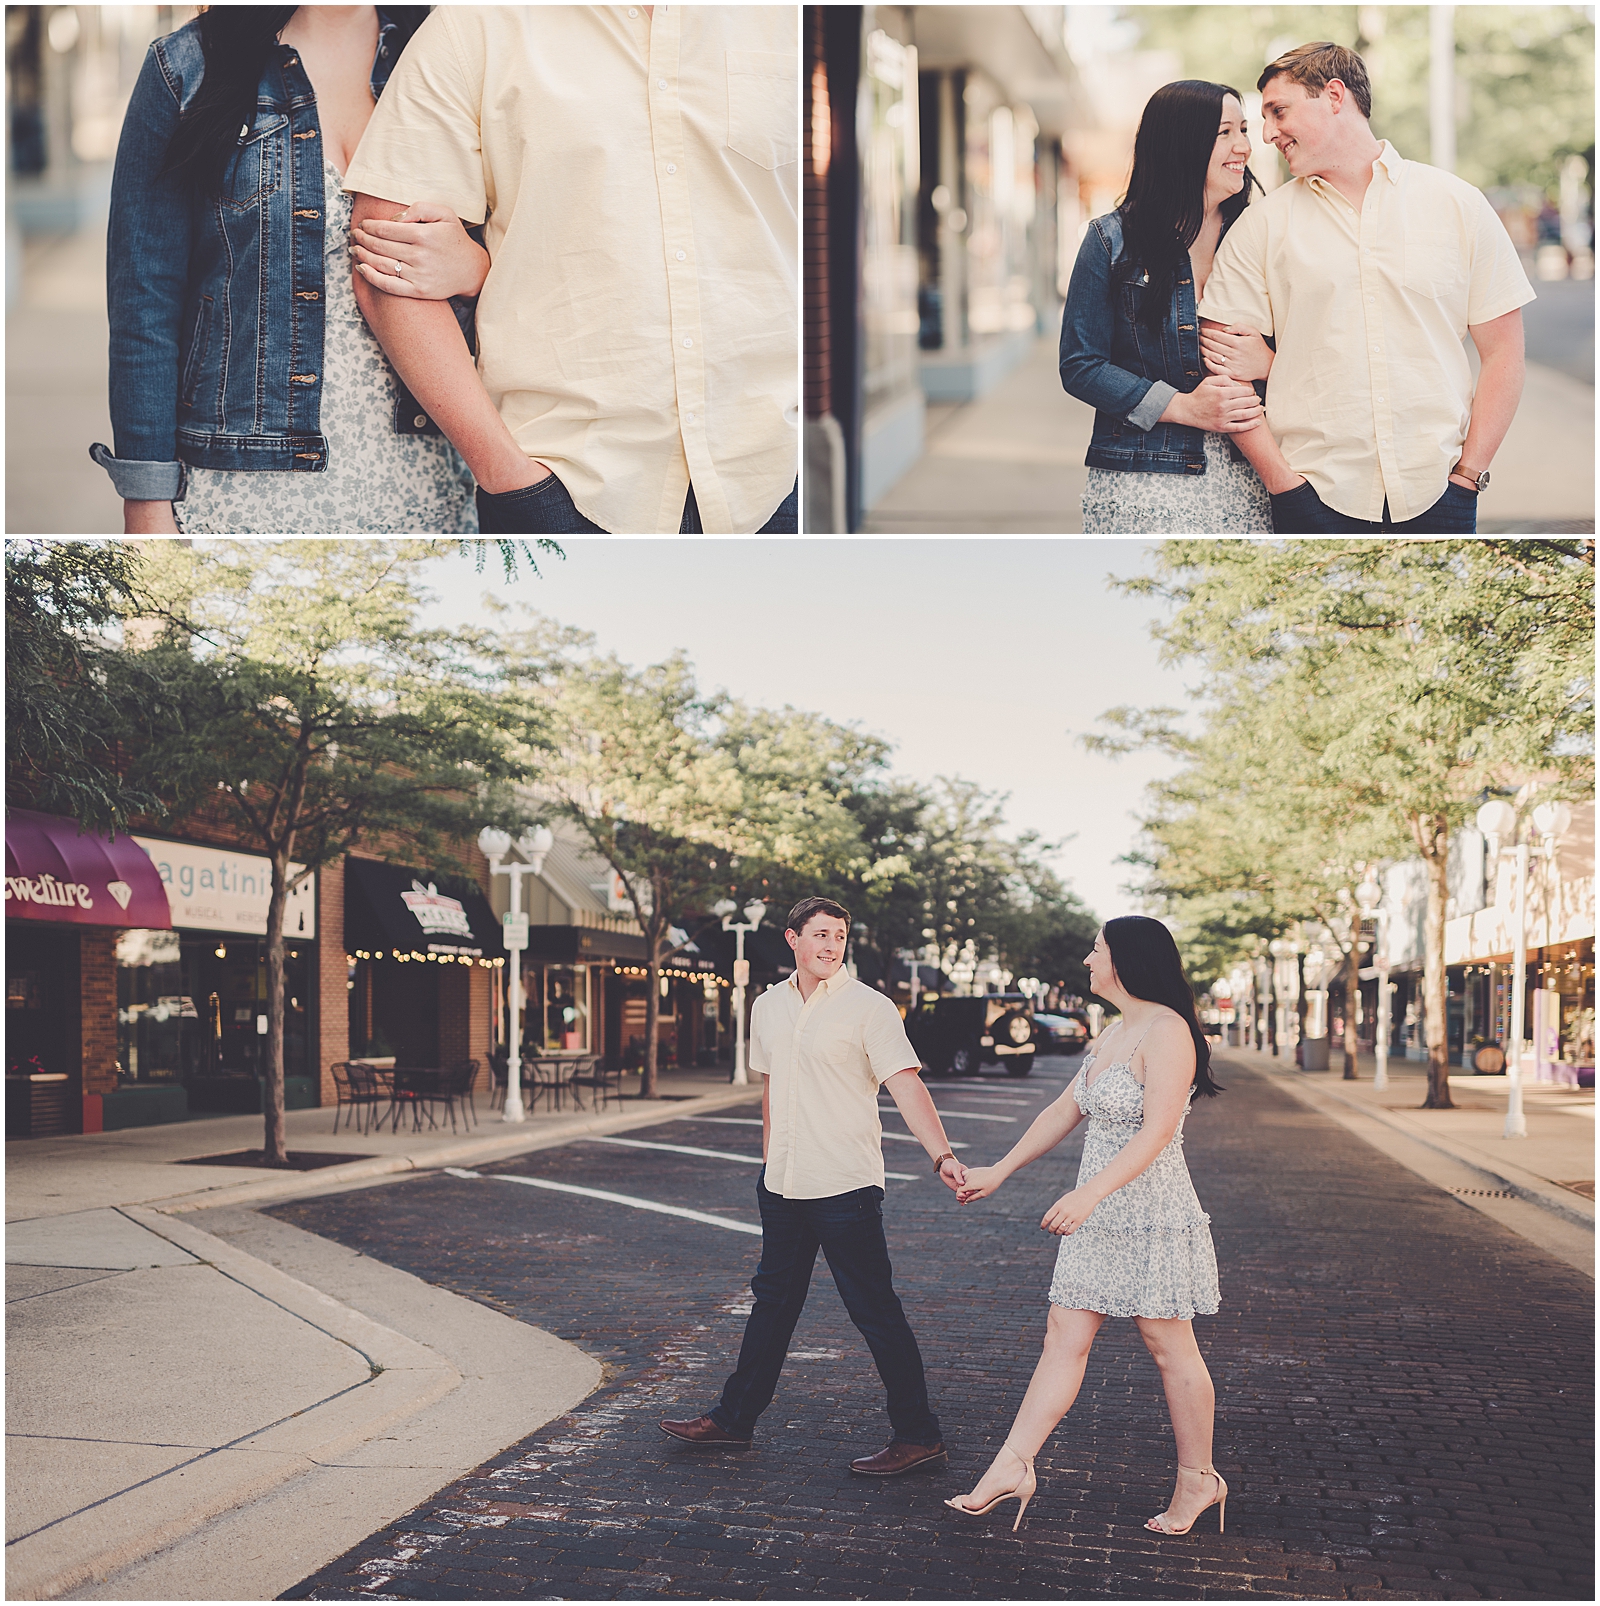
(808, 907)
(1315, 66)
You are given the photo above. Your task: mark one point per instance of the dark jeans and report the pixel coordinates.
(848, 1228)
(547, 509)
(1302, 512)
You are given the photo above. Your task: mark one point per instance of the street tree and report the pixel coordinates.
(64, 675)
(1417, 673)
(315, 714)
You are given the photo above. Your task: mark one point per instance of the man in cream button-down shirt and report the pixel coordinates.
(824, 1044)
(1368, 269)
(637, 169)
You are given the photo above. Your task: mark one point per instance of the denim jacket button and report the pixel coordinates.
(420, 421)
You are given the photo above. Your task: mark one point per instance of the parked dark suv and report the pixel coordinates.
(955, 1036)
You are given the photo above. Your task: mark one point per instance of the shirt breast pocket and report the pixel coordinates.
(763, 107)
(1434, 265)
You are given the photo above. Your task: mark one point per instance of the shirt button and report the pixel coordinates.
(687, 341)
(420, 420)
(672, 167)
(682, 255)
(688, 418)
(661, 83)
(633, 11)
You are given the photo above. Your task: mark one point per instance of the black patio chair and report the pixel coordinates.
(603, 1081)
(455, 1087)
(356, 1088)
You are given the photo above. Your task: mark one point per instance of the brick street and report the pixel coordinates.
(1404, 1388)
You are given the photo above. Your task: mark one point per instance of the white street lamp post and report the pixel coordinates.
(754, 912)
(1369, 895)
(533, 845)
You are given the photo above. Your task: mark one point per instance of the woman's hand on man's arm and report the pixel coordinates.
(1216, 403)
(424, 253)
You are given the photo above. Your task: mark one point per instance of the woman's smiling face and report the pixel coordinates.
(1229, 154)
(1101, 971)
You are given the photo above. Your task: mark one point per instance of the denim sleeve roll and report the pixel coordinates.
(1087, 371)
(147, 267)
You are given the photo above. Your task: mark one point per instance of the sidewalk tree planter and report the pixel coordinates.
(312, 712)
(1374, 687)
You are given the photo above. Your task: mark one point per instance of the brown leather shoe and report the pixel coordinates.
(898, 1457)
(702, 1430)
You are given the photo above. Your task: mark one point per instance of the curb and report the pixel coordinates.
(1513, 1179)
(406, 1377)
(503, 1146)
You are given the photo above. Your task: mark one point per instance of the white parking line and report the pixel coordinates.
(610, 1198)
(715, 1154)
(750, 1120)
(962, 1115)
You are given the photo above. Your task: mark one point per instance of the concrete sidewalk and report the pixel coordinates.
(1541, 1185)
(1012, 461)
(206, 1403)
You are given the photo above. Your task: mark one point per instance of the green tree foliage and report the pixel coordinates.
(1525, 74)
(1378, 686)
(314, 713)
(64, 602)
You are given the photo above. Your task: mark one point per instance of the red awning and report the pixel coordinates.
(54, 873)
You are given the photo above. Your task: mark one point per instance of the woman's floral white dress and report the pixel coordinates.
(1228, 499)
(1146, 1249)
(376, 482)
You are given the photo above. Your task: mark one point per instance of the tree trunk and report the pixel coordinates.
(274, 1146)
(652, 1002)
(1352, 991)
(1432, 832)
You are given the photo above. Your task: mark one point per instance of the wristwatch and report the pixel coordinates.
(938, 1165)
(1480, 481)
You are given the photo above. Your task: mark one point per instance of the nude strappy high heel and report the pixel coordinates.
(1158, 1523)
(1022, 1493)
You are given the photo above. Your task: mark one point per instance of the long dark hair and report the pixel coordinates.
(1165, 204)
(238, 42)
(1148, 966)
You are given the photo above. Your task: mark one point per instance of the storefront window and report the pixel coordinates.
(191, 1007)
(890, 176)
(558, 1010)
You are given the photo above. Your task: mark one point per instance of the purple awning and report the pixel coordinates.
(54, 873)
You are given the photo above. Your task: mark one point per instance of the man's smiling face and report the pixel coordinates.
(1297, 123)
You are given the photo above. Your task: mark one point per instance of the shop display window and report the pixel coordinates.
(557, 1018)
(193, 1007)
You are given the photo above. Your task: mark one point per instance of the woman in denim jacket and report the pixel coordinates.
(247, 394)
(1160, 461)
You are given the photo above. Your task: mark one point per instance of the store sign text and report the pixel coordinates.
(212, 889)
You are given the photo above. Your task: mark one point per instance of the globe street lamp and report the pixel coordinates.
(754, 913)
(533, 845)
(1370, 896)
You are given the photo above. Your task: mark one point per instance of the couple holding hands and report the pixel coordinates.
(1134, 1240)
(1293, 363)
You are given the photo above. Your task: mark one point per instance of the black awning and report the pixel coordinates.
(390, 908)
(581, 945)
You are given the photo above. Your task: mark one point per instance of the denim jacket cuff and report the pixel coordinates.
(140, 482)
(1148, 413)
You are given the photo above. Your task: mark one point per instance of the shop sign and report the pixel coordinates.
(214, 889)
(437, 914)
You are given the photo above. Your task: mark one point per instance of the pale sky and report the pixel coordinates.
(983, 658)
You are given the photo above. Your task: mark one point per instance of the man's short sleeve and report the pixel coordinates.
(757, 1057)
(889, 1050)
(1498, 284)
(424, 141)
(1236, 292)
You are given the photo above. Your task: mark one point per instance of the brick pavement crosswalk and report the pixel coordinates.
(1404, 1388)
